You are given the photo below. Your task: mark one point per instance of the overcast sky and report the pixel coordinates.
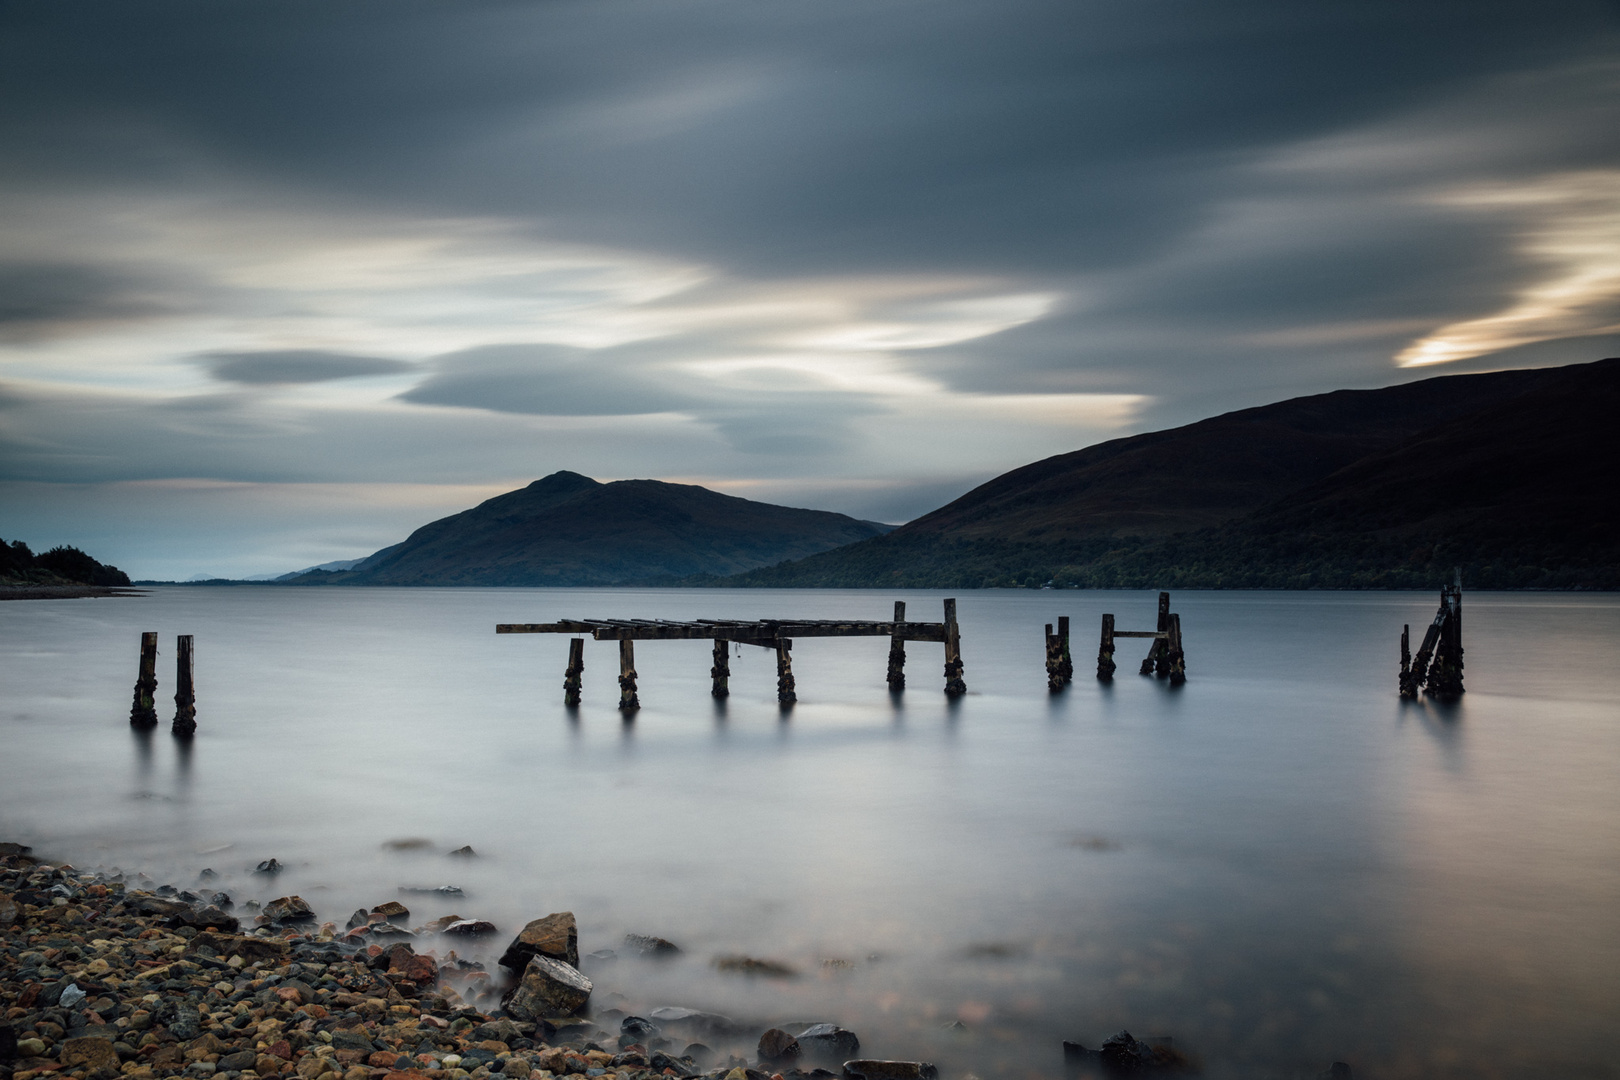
(280, 281)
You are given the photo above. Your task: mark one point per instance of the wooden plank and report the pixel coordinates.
(1139, 633)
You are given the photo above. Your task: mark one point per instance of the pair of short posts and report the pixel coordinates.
(954, 685)
(143, 713)
(629, 701)
(1165, 659)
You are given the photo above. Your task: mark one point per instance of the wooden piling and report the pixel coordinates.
(576, 666)
(1445, 677)
(785, 689)
(720, 670)
(143, 712)
(1176, 659)
(628, 702)
(1065, 660)
(185, 695)
(1407, 687)
(897, 649)
(1054, 683)
(954, 686)
(1105, 651)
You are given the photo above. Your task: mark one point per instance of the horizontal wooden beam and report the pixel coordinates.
(1141, 633)
(749, 633)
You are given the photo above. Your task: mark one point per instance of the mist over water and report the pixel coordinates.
(1279, 864)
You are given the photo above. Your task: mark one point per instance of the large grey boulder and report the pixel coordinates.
(549, 988)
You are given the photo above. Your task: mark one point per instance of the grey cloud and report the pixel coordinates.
(546, 380)
(42, 299)
(290, 366)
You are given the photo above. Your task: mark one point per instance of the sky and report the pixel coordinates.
(281, 281)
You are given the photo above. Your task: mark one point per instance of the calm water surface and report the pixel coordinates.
(1279, 864)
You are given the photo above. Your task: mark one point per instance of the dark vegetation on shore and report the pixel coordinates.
(56, 567)
(1509, 475)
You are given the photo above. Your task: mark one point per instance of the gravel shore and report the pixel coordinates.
(106, 975)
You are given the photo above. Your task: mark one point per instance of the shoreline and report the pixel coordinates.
(65, 592)
(108, 975)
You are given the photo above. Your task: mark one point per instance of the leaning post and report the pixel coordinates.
(785, 688)
(143, 713)
(628, 701)
(720, 670)
(897, 649)
(576, 666)
(1105, 651)
(185, 695)
(954, 686)
(1407, 687)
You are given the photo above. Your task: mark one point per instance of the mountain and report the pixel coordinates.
(1508, 474)
(568, 529)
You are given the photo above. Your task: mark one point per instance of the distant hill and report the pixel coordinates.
(1509, 474)
(568, 529)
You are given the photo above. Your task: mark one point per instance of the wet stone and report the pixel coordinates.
(555, 936)
(289, 909)
(549, 988)
(828, 1042)
(873, 1069)
(777, 1046)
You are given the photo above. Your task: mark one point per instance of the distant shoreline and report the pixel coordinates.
(64, 592)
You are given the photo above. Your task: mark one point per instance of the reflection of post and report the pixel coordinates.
(185, 697)
(897, 649)
(720, 672)
(143, 713)
(954, 686)
(785, 687)
(627, 676)
(1105, 651)
(572, 680)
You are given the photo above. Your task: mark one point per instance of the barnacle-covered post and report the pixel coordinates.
(1105, 651)
(720, 670)
(628, 702)
(572, 680)
(954, 686)
(185, 695)
(786, 691)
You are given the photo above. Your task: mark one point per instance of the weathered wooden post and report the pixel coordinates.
(785, 687)
(1177, 660)
(954, 686)
(143, 713)
(897, 649)
(1408, 688)
(185, 696)
(576, 666)
(720, 670)
(1065, 660)
(1054, 682)
(628, 702)
(1105, 651)
(1445, 677)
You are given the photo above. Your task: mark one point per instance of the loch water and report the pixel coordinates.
(1279, 864)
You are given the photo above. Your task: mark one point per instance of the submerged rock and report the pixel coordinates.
(393, 911)
(777, 1047)
(648, 945)
(289, 909)
(828, 1042)
(873, 1069)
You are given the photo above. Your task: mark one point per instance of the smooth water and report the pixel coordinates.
(1279, 864)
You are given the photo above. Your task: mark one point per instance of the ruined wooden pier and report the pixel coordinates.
(775, 634)
(1438, 666)
(1165, 658)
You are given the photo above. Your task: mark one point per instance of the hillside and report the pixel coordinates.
(568, 529)
(1509, 474)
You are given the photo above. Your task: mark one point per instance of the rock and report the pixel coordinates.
(269, 866)
(470, 928)
(1337, 1071)
(247, 947)
(442, 890)
(647, 945)
(639, 1028)
(662, 1062)
(549, 988)
(556, 936)
(465, 852)
(208, 918)
(157, 905)
(871, 1069)
(71, 996)
(10, 912)
(289, 909)
(711, 1024)
(90, 1053)
(698, 1054)
(8, 849)
(777, 1047)
(29, 1048)
(390, 930)
(748, 965)
(1124, 1055)
(828, 1042)
(393, 911)
(359, 918)
(242, 1059)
